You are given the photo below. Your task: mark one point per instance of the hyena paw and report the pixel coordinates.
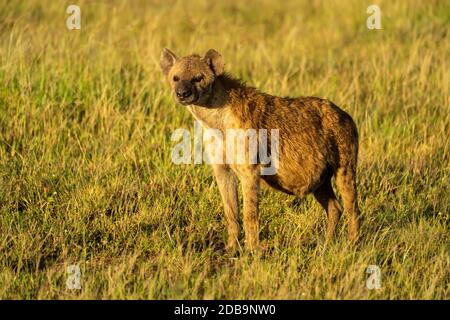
(231, 248)
(257, 247)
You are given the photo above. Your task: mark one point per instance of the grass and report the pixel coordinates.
(85, 170)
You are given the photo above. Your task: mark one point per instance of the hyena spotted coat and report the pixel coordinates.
(317, 140)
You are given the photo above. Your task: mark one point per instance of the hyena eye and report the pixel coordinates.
(197, 78)
(176, 78)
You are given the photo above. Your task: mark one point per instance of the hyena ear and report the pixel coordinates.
(214, 61)
(167, 60)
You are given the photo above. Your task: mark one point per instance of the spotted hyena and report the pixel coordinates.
(317, 140)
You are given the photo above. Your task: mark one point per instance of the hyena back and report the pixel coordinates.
(317, 140)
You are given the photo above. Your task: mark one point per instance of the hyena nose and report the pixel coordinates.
(184, 92)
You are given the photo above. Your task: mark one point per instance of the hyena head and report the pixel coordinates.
(191, 78)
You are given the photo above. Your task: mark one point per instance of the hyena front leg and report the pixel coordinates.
(250, 180)
(227, 183)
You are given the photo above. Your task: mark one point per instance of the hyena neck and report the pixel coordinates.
(229, 96)
(223, 91)
(229, 83)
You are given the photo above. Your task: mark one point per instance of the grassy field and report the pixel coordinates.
(86, 176)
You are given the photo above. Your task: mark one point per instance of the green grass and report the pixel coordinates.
(85, 153)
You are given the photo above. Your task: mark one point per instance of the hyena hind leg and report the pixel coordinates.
(327, 199)
(346, 185)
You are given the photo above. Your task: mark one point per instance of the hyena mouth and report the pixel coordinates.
(189, 100)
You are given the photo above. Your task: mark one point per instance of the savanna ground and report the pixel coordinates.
(86, 175)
